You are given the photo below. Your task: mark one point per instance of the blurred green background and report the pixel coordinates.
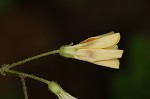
(31, 27)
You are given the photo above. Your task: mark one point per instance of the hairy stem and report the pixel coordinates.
(24, 87)
(31, 58)
(27, 75)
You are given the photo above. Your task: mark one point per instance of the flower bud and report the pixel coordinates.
(57, 90)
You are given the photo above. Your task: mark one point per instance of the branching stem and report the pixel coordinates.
(52, 86)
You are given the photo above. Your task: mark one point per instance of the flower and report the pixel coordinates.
(101, 50)
(57, 90)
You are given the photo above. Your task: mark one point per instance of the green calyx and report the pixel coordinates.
(68, 51)
(55, 88)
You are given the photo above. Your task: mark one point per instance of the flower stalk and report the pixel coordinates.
(31, 58)
(52, 86)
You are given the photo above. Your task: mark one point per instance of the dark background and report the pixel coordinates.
(31, 27)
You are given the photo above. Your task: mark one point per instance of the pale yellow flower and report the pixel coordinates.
(101, 50)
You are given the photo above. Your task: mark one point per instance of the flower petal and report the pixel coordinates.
(112, 47)
(96, 37)
(92, 55)
(101, 42)
(109, 63)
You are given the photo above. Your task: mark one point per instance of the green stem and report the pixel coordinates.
(27, 75)
(31, 58)
(24, 87)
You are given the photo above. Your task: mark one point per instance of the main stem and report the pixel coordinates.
(31, 58)
(24, 87)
